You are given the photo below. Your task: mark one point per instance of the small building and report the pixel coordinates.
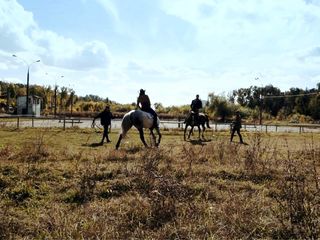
(34, 105)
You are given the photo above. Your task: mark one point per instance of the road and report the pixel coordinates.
(116, 124)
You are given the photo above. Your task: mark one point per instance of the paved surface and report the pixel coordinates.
(116, 124)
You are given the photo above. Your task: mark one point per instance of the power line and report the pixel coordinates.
(288, 96)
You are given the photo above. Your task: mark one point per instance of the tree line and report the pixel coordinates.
(269, 101)
(254, 103)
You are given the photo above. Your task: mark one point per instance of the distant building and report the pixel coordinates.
(34, 105)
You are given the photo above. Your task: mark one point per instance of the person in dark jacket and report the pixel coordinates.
(236, 126)
(195, 106)
(105, 120)
(143, 102)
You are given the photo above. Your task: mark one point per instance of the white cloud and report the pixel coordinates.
(20, 34)
(110, 7)
(229, 26)
(174, 51)
(15, 24)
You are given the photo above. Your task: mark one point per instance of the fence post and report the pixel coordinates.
(216, 126)
(276, 128)
(18, 122)
(32, 120)
(266, 129)
(64, 123)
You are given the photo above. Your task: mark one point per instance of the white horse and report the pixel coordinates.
(140, 120)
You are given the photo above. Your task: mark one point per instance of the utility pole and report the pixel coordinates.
(71, 98)
(8, 97)
(55, 100)
(28, 74)
(260, 101)
(260, 108)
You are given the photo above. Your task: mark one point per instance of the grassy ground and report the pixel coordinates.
(59, 185)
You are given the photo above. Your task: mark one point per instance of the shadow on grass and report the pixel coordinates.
(255, 178)
(93, 145)
(244, 143)
(201, 142)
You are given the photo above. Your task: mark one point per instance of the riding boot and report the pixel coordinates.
(232, 134)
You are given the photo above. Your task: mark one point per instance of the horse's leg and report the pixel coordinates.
(142, 137)
(153, 137)
(159, 134)
(185, 130)
(119, 140)
(191, 130)
(203, 129)
(199, 130)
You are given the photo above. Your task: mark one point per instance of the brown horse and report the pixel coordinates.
(203, 120)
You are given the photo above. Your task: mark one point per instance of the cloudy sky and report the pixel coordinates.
(174, 49)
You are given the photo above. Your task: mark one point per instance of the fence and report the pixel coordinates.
(19, 121)
(64, 122)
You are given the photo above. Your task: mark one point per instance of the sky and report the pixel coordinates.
(174, 49)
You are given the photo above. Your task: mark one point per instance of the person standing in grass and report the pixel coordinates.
(236, 126)
(105, 120)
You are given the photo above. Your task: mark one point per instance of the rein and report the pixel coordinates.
(95, 126)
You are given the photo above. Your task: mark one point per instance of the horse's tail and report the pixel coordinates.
(207, 120)
(126, 124)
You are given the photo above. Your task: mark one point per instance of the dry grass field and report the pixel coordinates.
(59, 185)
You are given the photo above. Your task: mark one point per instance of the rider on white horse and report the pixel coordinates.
(140, 119)
(143, 102)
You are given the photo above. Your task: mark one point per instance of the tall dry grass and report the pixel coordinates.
(195, 190)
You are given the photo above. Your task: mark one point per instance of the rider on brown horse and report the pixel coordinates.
(196, 104)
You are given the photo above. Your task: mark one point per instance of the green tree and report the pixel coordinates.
(219, 106)
(314, 107)
(63, 97)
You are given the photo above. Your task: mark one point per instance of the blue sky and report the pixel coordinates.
(174, 49)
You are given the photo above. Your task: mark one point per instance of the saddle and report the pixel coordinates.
(151, 117)
(193, 117)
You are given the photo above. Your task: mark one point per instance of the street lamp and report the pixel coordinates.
(28, 64)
